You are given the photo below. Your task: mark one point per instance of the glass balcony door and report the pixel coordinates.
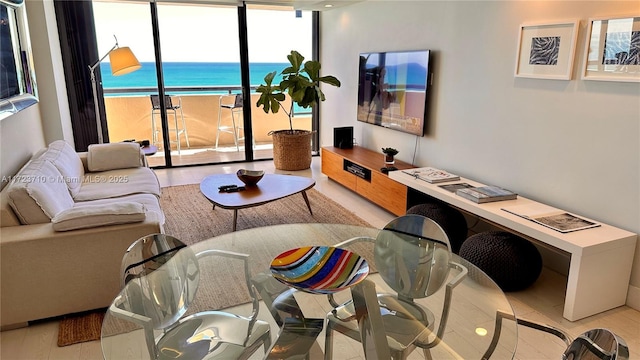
(127, 99)
(192, 54)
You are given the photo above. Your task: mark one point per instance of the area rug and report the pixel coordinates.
(191, 218)
(79, 328)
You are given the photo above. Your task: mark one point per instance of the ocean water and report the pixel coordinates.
(186, 74)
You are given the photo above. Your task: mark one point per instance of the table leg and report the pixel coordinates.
(306, 200)
(235, 219)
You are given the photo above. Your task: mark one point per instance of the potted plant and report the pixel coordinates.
(301, 81)
(389, 154)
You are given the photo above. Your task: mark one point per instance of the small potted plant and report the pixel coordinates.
(301, 81)
(389, 154)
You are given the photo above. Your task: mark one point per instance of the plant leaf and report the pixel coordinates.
(331, 80)
(296, 59)
(312, 68)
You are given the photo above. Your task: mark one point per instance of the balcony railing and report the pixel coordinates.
(128, 113)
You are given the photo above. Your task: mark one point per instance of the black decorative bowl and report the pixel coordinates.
(250, 177)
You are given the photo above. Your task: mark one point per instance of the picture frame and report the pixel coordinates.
(547, 50)
(612, 49)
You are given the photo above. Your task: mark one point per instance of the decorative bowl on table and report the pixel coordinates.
(250, 177)
(319, 269)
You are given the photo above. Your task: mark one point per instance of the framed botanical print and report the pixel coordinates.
(547, 50)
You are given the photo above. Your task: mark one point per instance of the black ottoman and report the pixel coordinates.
(511, 261)
(451, 220)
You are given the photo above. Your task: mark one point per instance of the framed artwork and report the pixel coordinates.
(612, 52)
(547, 50)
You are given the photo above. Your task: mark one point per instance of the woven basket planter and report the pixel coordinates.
(292, 149)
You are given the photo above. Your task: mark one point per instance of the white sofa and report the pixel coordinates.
(66, 220)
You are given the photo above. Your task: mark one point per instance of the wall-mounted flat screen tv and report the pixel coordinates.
(392, 89)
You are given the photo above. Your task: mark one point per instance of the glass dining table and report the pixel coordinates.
(168, 313)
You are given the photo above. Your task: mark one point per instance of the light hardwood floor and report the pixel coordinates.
(541, 302)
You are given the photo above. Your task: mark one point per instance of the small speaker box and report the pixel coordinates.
(343, 137)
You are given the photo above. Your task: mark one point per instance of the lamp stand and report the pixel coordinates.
(94, 87)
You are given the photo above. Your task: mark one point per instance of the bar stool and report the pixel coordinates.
(169, 106)
(233, 128)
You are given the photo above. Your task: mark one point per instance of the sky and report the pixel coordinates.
(201, 33)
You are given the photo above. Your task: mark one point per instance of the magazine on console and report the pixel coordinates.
(556, 219)
(431, 175)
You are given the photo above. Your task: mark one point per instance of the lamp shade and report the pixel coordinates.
(123, 61)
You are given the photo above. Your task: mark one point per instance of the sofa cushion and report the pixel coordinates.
(67, 161)
(150, 202)
(38, 193)
(88, 216)
(117, 183)
(7, 215)
(103, 157)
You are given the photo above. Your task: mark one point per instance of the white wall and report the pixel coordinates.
(28, 131)
(21, 136)
(48, 65)
(571, 144)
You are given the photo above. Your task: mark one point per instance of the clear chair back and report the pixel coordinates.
(597, 344)
(412, 255)
(147, 254)
(164, 295)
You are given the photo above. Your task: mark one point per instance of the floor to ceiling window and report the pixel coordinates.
(199, 52)
(272, 34)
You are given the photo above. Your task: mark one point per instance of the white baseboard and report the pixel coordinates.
(633, 297)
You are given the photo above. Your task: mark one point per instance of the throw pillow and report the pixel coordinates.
(68, 162)
(112, 156)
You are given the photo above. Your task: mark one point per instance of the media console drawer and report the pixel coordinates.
(358, 169)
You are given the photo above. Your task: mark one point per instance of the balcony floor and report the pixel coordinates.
(209, 155)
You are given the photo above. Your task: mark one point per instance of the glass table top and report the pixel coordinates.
(209, 283)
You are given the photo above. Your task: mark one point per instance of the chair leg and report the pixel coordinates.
(184, 128)
(328, 342)
(427, 354)
(154, 132)
(218, 130)
(235, 130)
(266, 342)
(177, 130)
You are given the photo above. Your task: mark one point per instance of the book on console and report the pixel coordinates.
(484, 194)
(454, 187)
(431, 175)
(556, 219)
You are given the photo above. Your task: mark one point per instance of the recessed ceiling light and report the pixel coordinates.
(328, 5)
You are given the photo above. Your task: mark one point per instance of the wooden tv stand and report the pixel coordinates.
(358, 169)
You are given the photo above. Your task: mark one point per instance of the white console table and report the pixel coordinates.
(601, 257)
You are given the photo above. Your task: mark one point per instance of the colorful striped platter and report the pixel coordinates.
(319, 269)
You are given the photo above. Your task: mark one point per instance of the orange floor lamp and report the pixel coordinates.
(122, 62)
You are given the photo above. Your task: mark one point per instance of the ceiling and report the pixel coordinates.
(311, 5)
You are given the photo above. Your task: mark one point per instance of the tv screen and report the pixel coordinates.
(392, 89)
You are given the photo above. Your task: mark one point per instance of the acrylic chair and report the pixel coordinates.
(593, 344)
(413, 256)
(169, 106)
(158, 300)
(236, 127)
